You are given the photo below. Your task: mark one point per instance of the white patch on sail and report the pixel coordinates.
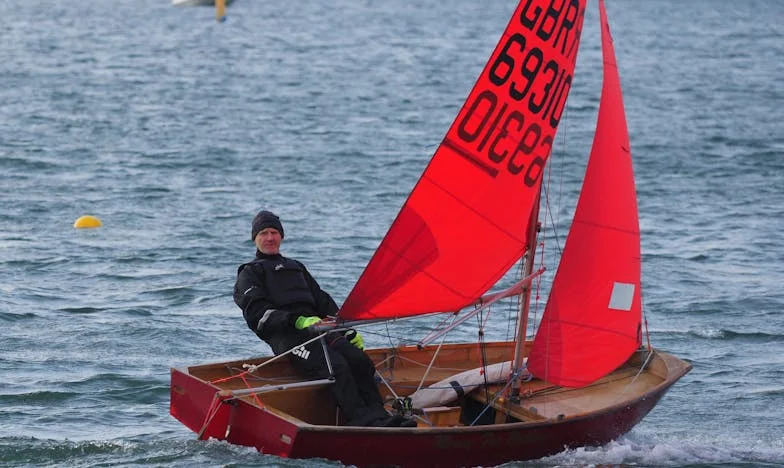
(622, 296)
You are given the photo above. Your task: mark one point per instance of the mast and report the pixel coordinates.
(525, 295)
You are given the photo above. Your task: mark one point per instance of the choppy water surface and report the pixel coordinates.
(174, 130)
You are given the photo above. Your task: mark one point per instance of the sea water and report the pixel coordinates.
(174, 130)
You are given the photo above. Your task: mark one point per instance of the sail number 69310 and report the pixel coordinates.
(519, 70)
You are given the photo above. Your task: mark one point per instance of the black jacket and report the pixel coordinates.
(273, 291)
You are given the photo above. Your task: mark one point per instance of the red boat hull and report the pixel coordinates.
(244, 421)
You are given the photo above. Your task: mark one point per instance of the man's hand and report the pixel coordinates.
(355, 338)
(304, 322)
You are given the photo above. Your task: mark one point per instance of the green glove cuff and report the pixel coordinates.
(305, 322)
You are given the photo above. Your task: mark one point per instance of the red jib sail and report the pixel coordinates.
(463, 226)
(591, 323)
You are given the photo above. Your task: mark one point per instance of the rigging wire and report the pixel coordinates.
(554, 221)
(483, 351)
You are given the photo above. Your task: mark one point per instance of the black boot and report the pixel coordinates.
(367, 418)
(398, 420)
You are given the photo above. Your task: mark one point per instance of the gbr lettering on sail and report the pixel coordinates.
(508, 122)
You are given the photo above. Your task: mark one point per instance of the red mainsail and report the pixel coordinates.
(464, 224)
(591, 323)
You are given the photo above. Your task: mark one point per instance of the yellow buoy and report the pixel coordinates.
(220, 10)
(87, 221)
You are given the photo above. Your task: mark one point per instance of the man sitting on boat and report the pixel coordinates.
(281, 301)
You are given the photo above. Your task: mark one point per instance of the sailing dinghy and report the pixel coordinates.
(586, 378)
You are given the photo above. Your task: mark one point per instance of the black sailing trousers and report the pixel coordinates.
(355, 387)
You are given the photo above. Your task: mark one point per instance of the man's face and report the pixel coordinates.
(268, 241)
